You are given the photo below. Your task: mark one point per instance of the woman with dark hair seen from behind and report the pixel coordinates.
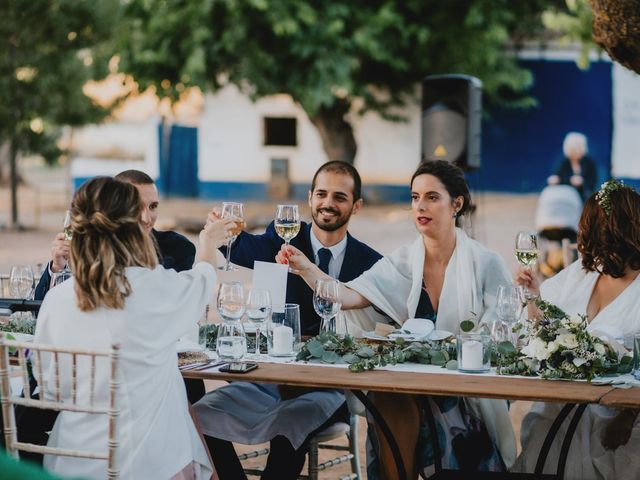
(604, 285)
(446, 277)
(119, 294)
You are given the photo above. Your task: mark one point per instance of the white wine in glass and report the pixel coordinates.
(527, 252)
(66, 226)
(287, 222)
(235, 211)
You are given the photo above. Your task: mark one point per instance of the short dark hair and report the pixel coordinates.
(135, 176)
(451, 176)
(609, 243)
(338, 166)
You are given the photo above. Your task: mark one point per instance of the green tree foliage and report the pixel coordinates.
(333, 57)
(45, 59)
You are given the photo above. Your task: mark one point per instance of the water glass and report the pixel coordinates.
(230, 301)
(258, 312)
(509, 305)
(636, 356)
(231, 343)
(21, 281)
(326, 303)
(474, 352)
(283, 332)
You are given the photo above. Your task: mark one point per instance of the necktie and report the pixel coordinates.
(324, 256)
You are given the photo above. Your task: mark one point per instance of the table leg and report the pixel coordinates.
(566, 444)
(551, 435)
(382, 424)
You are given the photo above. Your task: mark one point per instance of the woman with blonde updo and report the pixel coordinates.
(119, 294)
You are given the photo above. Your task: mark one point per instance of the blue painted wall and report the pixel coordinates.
(520, 148)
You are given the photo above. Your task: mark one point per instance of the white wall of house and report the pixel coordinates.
(230, 142)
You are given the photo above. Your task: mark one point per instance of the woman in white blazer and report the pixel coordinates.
(120, 294)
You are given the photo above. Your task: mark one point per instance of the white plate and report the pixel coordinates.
(414, 330)
(440, 335)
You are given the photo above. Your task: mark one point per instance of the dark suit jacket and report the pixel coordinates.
(248, 248)
(589, 175)
(175, 251)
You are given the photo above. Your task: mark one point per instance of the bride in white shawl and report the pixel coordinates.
(604, 284)
(447, 277)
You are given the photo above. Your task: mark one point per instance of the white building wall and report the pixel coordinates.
(230, 142)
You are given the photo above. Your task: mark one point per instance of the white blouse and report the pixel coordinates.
(157, 435)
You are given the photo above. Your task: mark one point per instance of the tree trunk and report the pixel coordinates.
(13, 154)
(616, 28)
(336, 133)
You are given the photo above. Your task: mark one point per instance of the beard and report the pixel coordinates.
(337, 221)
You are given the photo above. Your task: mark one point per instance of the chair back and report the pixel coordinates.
(569, 252)
(59, 394)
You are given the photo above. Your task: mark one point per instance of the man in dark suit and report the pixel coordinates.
(335, 195)
(174, 250)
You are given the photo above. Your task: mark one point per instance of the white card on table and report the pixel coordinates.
(273, 277)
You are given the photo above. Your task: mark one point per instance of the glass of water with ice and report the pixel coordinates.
(231, 344)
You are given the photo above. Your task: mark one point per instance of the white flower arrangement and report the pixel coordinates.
(559, 346)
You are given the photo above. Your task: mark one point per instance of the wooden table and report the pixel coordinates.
(622, 398)
(441, 384)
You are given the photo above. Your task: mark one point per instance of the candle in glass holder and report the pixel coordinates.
(282, 340)
(472, 355)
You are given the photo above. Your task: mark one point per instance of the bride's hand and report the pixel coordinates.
(527, 278)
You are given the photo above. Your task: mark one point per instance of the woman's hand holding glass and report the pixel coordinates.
(527, 255)
(298, 262)
(214, 234)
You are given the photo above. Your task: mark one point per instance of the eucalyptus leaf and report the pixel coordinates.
(330, 357)
(437, 357)
(452, 365)
(316, 349)
(467, 325)
(365, 351)
(350, 358)
(506, 348)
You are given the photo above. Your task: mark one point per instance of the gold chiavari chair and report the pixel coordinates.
(51, 397)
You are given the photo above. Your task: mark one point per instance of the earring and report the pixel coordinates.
(455, 215)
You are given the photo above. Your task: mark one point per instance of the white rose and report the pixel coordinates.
(575, 319)
(568, 340)
(536, 348)
(599, 348)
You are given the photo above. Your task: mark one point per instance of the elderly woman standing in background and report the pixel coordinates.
(576, 168)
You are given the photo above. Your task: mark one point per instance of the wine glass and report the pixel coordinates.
(509, 305)
(230, 301)
(66, 226)
(258, 312)
(21, 281)
(233, 210)
(326, 303)
(287, 222)
(527, 253)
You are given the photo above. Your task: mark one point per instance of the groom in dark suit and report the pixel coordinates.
(335, 195)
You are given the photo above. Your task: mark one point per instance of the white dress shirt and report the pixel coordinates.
(337, 254)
